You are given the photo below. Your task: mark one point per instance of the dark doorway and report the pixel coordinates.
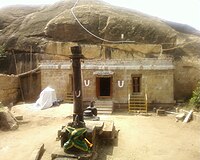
(104, 87)
(136, 84)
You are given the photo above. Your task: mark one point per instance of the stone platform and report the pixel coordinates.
(97, 130)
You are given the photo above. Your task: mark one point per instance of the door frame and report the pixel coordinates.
(98, 87)
(138, 86)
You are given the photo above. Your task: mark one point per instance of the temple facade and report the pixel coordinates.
(108, 78)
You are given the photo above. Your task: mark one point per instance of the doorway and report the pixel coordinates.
(136, 84)
(104, 87)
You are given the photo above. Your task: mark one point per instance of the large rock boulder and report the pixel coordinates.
(24, 26)
(107, 23)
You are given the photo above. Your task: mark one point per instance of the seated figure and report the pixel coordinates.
(90, 110)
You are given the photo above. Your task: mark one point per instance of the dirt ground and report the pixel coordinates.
(140, 137)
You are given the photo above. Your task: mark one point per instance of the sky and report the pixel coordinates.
(181, 11)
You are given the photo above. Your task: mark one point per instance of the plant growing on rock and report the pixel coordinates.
(2, 51)
(195, 99)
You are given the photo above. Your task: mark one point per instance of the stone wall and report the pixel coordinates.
(186, 77)
(157, 80)
(56, 77)
(9, 89)
(157, 84)
(30, 86)
(118, 51)
(119, 94)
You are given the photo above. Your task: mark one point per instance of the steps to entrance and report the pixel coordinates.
(69, 98)
(137, 103)
(104, 106)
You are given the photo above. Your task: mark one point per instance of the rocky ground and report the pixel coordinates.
(140, 137)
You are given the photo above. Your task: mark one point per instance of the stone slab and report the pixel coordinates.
(160, 112)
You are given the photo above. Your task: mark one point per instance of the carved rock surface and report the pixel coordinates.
(25, 26)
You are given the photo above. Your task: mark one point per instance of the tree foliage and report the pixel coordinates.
(195, 99)
(2, 51)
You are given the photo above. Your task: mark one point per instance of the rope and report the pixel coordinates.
(28, 72)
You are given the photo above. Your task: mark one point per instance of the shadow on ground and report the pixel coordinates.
(105, 148)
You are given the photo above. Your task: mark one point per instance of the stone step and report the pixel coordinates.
(104, 112)
(104, 107)
(132, 107)
(104, 103)
(137, 103)
(136, 95)
(69, 98)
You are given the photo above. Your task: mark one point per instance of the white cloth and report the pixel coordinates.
(46, 99)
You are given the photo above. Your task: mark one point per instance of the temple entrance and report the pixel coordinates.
(136, 84)
(104, 87)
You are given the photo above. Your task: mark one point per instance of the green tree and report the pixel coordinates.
(195, 99)
(2, 51)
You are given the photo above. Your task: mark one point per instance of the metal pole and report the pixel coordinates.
(77, 83)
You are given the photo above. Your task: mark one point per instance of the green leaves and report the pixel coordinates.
(2, 51)
(195, 100)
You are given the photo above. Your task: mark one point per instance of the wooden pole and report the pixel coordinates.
(20, 86)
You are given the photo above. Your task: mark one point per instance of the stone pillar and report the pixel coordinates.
(77, 84)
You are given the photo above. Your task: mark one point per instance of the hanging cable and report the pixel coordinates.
(102, 39)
